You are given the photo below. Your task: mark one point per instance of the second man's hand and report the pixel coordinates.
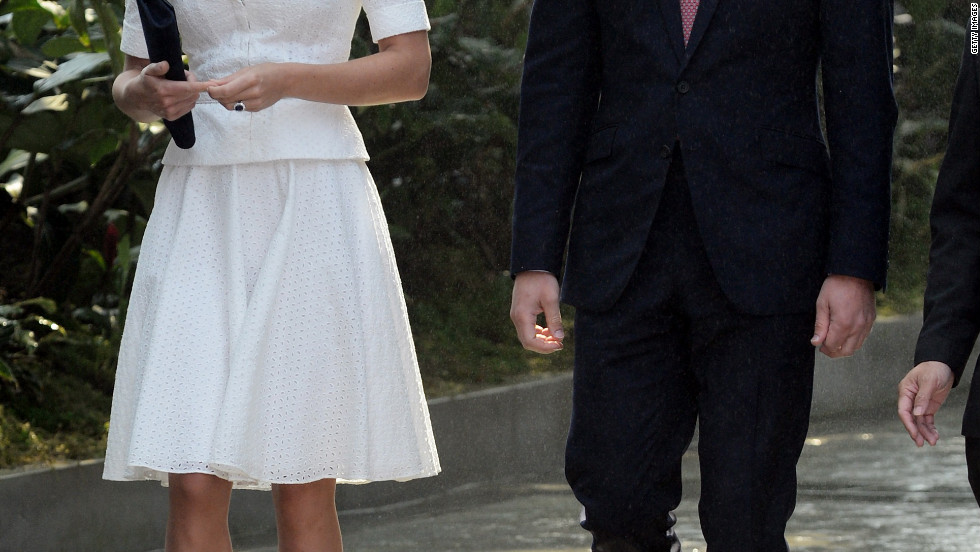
(920, 394)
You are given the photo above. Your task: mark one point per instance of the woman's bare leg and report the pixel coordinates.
(306, 517)
(198, 520)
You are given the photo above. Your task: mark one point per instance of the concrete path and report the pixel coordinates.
(863, 486)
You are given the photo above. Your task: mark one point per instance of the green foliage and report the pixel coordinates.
(70, 157)
(55, 379)
(929, 40)
(444, 167)
(75, 176)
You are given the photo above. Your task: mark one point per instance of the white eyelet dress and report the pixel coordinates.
(267, 339)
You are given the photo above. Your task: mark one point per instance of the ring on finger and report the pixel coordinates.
(239, 105)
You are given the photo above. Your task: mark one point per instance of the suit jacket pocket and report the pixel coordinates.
(600, 144)
(793, 150)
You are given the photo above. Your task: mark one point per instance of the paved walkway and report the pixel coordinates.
(863, 486)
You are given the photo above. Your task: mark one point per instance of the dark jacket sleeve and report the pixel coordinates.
(856, 65)
(952, 299)
(559, 96)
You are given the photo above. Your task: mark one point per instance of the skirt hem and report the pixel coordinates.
(241, 480)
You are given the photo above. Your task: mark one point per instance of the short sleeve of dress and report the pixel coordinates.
(133, 42)
(394, 17)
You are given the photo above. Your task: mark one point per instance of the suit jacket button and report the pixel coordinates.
(666, 152)
(683, 87)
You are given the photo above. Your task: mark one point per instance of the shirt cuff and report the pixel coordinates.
(397, 19)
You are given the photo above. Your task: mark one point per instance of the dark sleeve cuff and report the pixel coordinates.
(951, 353)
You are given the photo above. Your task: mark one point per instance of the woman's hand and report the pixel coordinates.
(256, 87)
(142, 92)
(398, 72)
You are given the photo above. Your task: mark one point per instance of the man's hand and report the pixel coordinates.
(845, 314)
(920, 394)
(534, 293)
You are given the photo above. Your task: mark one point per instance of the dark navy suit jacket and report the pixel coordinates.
(952, 302)
(609, 90)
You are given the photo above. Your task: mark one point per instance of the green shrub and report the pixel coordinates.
(929, 42)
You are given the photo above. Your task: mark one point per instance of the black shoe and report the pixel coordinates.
(608, 543)
(617, 545)
(622, 545)
(675, 543)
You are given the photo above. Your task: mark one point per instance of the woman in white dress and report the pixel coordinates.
(267, 343)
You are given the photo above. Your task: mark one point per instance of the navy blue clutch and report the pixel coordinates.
(163, 43)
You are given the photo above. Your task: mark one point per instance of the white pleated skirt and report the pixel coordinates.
(267, 339)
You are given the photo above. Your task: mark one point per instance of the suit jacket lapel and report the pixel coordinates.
(706, 10)
(670, 11)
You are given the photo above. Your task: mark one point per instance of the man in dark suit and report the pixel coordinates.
(952, 302)
(671, 154)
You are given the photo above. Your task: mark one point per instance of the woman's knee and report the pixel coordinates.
(300, 502)
(199, 488)
(317, 491)
(306, 516)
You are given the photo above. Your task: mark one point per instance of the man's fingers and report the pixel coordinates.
(861, 339)
(920, 394)
(927, 429)
(921, 406)
(525, 326)
(532, 336)
(836, 346)
(552, 316)
(843, 339)
(536, 293)
(912, 428)
(821, 326)
(906, 398)
(845, 314)
(921, 429)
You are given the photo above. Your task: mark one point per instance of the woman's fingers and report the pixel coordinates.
(169, 99)
(255, 87)
(158, 69)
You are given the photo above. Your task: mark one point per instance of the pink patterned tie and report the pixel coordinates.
(689, 8)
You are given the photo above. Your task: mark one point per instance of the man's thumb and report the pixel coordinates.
(553, 317)
(923, 397)
(820, 327)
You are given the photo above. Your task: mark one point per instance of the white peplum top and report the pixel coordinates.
(221, 40)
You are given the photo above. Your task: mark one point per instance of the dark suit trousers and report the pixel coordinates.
(672, 353)
(973, 465)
